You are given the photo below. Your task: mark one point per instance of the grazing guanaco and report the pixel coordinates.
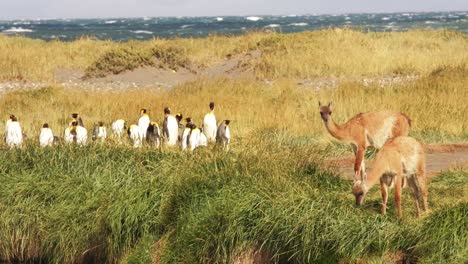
(366, 129)
(400, 160)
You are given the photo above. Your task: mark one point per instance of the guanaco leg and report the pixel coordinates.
(359, 166)
(398, 186)
(415, 190)
(384, 192)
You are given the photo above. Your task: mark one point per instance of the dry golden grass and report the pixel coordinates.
(325, 53)
(437, 105)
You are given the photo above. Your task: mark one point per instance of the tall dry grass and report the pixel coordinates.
(435, 104)
(326, 53)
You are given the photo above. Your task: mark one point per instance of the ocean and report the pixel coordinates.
(123, 29)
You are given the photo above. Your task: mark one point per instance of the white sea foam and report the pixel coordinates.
(300, 24)
(18, 30)
(142, 32)
(385, 18)
(272, 26)
(219, 19)
(186, 26)
(110, 22)
(22, 23)
(429, 22)
(253, 18)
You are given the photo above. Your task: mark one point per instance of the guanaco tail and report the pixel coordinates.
(400, 160)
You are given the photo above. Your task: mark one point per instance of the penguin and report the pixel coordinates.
(81, 135)
(77, 118)
(143, 122)
(134, 132)
(179, 117)
(99, 132)
(153, 134)
(194, 137)
(170, 127)
(118, 128)
(70, 132)
(203, 141)
(223, 134)
(76, 134)
(209, 124)
(13, 133)
(46, 138)
(186, 133)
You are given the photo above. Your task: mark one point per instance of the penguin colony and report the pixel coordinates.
(146, 132)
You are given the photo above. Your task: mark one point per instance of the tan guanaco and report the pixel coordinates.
(400, 160)
(366, 129)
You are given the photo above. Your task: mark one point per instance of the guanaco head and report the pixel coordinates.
(325, 111)
(359, 189)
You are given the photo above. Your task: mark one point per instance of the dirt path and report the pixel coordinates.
(439, 157)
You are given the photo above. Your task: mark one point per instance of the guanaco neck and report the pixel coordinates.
(335, 130)
(376, 173)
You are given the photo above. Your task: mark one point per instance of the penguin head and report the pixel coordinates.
(45, 125)
(74, 115)
(178, 117)
(101, 124)
(143, 111)
(167, 110)
(212, 105)
(13, 118)
(188, 120)
(74, 123)
(227, 122)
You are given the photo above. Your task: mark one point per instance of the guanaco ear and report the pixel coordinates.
(330, 104)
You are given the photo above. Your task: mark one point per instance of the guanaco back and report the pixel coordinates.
(401, 160)
(366, 129)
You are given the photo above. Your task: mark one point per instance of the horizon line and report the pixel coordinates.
(246, 15)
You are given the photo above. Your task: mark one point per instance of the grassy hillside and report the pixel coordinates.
(99, 204)
(268, 198)
(325, 53)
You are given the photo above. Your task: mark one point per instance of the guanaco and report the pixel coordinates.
(400, 160)
(366, 129)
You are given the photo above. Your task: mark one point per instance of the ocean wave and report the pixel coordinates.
(22, 23)
(300, 24)
(110, 22)
(253, 18)
(272, 26)
(18, 30)
(385, 18)
(142, 32)
(186, 26)
(219, 19)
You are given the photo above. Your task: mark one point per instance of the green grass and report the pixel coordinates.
(270, 195)
(131, 57)
(109, 204)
